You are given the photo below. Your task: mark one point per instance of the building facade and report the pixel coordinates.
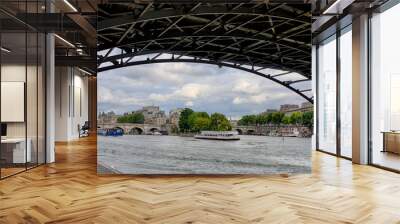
(304, 107)
(153, 115)
(287, 107)
(107, 118)
(174, 116)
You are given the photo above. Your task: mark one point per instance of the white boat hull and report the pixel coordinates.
(224, 138)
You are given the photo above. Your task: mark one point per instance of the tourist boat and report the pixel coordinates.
(156, 133)
(218, 135)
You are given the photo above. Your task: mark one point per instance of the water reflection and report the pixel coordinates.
(140, 154)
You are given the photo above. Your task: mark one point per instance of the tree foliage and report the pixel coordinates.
(136, 118)
(248, 120)
(199, 121)
(184, 120)
(191, 121)
(296, 118)
(308, 118)
(220, 123)
(286, 120)
(277, 118)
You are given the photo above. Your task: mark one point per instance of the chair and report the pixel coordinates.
(84, 130)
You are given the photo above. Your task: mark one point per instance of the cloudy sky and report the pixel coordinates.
(198, 86)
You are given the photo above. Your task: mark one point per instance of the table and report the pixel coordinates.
(391, 141)
(13, 150)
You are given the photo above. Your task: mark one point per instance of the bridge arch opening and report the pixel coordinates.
(239, 131)
(119, 128)
(136, 131)
(154, 130)
(250, 132)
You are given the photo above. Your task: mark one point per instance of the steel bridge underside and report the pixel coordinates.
(271, 39)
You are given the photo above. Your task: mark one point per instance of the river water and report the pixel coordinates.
(146, 154)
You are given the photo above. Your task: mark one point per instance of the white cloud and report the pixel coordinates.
(189, 104)
(105, 95)
(192, 90)
(238, 100)
(159, 97)
(201, 87)
(256, 99)
(247, 86)
(260, 98)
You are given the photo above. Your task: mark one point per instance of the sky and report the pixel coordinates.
(201, 87)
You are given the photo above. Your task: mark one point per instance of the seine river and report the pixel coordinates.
(146, 154)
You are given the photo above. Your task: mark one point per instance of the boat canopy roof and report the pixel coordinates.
(219, 132)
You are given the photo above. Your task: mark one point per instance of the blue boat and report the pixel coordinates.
(110, 132)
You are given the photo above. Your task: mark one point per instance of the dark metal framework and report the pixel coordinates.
(254, 36)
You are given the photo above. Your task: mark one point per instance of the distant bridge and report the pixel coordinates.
(133, 129)
(246, 130)
(273, 130)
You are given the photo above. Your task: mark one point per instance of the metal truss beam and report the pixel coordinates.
(263, 61)
(202, 10)
(276, 40)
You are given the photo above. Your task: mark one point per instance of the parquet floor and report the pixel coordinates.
(70, 191)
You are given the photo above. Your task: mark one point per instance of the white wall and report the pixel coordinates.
(15, 73)
(33, 126)
(71, 102)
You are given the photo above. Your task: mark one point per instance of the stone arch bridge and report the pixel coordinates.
(132, 128)
(274, 130)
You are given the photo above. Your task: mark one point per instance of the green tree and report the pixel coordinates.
(136, 118)
(308, 118)
(269, 118)
(286, 120)
(296, 118)
(198, 121)
(276, 117)
(248, 120)
(261, 119)
(220, 123)
(184, 120)
(201, 124)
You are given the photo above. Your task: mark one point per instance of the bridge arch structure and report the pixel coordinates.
(131, 128)
(136, 131)
(267, 38)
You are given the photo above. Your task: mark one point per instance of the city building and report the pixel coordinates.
(304, 107)
(106, 118)
(234, 123)
(174, 116)
(153, 115)
(50, 51)
(287, 107)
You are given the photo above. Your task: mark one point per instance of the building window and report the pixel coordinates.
(346, 92)
(385, 89)
(327, 95)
